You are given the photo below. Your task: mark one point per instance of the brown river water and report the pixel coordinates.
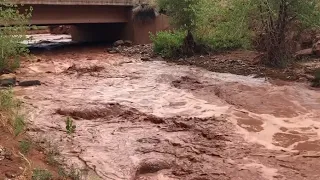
(160, 121)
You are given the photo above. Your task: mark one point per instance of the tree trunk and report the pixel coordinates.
(276, 47)
(189, 44)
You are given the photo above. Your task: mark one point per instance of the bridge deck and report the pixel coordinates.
(78, 2)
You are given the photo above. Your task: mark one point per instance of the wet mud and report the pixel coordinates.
(159, 121)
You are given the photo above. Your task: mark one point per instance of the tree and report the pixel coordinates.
(183, 14)
(13, 29)
(276, 18)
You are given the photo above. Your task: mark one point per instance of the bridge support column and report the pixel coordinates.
(109, 32)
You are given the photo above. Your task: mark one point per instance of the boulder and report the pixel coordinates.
(118, 43)
(7, 80)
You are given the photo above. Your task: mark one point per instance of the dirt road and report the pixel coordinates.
(160, 121)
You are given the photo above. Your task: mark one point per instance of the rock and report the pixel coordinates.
(304, 53)
(145, 59)
(128, 43)
(113, 50)
(8, 80)
(5, 154)
(11, 174)
(118, 43)
(30, 83)
(316, 49)
(309, 77)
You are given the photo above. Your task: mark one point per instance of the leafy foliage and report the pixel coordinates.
(183, 13)
(224, 25)
(167, 44)
(219, 25)
(276, 19)
(12, 33)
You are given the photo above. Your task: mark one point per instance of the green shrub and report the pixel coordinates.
(217, 43)
(168, 43)
(18, 124)
(222, 25)
(12, 32)
(10, 107)
(41, 174)
(25, 146)
(7, 101)
(70, 127)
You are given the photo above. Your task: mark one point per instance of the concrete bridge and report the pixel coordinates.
(94, 20)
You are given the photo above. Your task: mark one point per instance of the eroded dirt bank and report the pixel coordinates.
(154, 120)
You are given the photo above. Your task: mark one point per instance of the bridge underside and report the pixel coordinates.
(81, 2)
(72, 14)
(97, 23)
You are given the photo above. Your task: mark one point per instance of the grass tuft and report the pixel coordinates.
(70, 127)
(18, 124)
(41, 174)
(25, 146)
(10, 112)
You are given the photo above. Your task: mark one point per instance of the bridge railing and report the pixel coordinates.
(78, 2)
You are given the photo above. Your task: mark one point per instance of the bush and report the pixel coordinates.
(217, 43)
(9, 109)
(219, 25)
(25, 146)
(12, 33)
(275, 21)
(222, 25)
(41, 174)
(168, 44)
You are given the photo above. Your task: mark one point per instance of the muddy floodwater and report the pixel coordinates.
(159, 121)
